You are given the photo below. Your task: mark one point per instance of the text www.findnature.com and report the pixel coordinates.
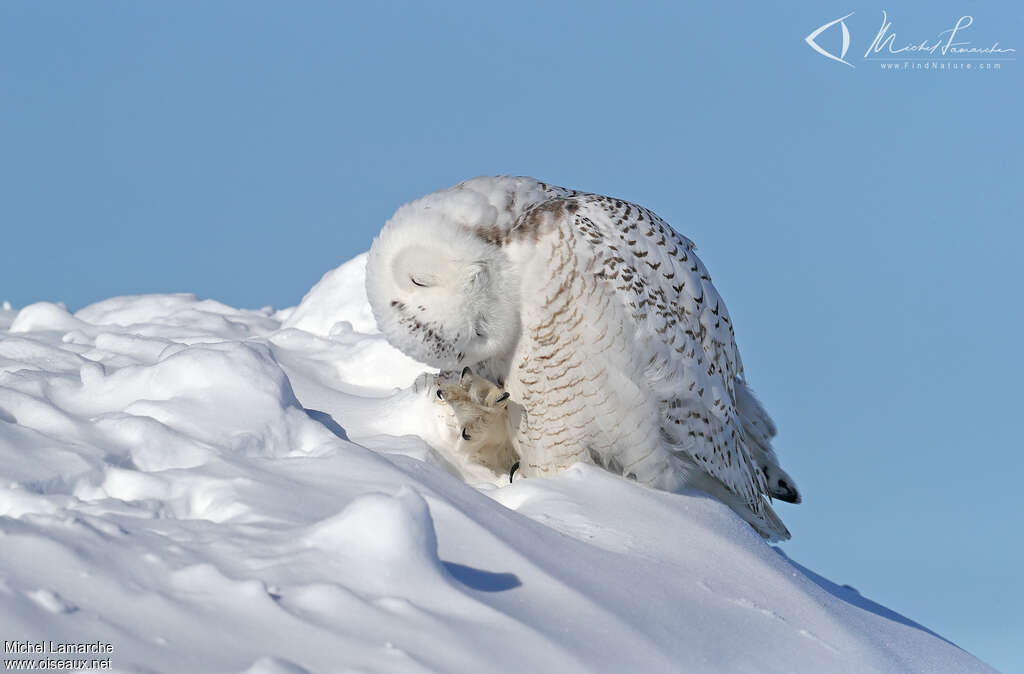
(938, 65)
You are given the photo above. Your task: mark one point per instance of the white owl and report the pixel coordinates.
(599, 328)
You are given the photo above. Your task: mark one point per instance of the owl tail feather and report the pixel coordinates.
(768, 524)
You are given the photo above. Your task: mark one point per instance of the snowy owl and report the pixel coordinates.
(571, 327)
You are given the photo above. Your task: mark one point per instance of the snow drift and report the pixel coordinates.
(211, 489)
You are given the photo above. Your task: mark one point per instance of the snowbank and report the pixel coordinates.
(212, 489)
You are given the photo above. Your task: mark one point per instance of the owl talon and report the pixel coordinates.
(502, 398)
(466, 372)
(465, 435)
(515, 467)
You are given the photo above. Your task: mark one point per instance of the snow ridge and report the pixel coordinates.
(225, 490)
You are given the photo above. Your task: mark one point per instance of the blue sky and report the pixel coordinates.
(863, 225)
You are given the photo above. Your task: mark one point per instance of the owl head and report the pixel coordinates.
(439, 292)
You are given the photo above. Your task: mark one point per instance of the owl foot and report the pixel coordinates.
(479, 413)
(469, 390)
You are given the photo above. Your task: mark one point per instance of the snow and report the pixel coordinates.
(224, 490)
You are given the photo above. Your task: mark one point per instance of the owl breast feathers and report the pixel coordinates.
(600, 322)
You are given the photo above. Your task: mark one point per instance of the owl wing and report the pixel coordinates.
(630, 268)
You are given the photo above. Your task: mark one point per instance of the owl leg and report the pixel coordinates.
(480, 412)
